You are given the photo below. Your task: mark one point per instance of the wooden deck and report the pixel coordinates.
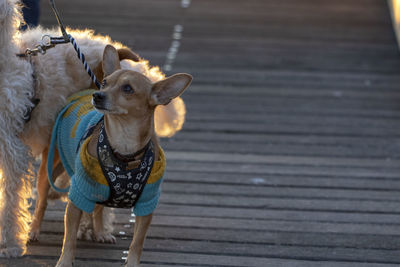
(290, 155)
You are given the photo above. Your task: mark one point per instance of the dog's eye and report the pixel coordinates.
(104, 83)
(127, 89)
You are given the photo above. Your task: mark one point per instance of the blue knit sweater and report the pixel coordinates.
(85, 191)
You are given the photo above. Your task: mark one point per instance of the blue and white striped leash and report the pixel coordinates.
(66, 38)
(81, 56)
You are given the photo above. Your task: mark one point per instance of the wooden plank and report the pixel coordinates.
(308, 146)
(310, 140)
(235, 236)
(279, 160)
(255, 226)
(246, 100)
(278, 120)
(330, 130)
(232, 249)
(193, 259)
(272, 169)
(353, 92)
(353, 151)
(265, 215)
(306, 204)
(268, 192)
(279, 180)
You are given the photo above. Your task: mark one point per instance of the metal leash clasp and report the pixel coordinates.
(39, 49)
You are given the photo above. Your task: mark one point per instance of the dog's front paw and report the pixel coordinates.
(34, 235)
(62, 263)
(131, 264)
(85, 234)
(11, 252)
(103, 237)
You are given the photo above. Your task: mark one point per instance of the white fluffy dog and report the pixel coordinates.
(51, 78)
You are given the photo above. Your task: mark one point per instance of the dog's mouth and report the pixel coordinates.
(104, 107)
(100, 106)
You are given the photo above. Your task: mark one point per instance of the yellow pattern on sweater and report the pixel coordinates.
(93, 168)
(85, 98)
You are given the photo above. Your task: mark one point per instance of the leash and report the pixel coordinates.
(52, 42)
(66, 38)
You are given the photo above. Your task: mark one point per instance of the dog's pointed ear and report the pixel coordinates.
(165, 90)
(110, 60)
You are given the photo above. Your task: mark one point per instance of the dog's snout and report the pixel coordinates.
(99, 97)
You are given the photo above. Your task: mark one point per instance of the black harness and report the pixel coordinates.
(126, 185)
(29, 110)
(35, 101)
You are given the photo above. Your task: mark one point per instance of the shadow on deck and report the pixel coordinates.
(290, 153)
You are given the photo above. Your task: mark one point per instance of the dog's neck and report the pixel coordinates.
(128, 135)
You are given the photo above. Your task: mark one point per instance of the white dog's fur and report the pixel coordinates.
(59, 74)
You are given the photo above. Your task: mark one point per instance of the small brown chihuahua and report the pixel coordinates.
(125, 135)
(61, 179)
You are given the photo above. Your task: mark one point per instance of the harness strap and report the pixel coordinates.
(130, 157)
(126, 185)
(35, 101)
(29, 110)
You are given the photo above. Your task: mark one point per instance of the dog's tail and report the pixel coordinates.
(169, 119)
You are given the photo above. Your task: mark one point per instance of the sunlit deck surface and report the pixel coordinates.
(290, 153)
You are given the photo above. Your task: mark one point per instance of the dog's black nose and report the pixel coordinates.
(99, 97)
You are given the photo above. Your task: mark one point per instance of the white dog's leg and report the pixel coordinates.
(101, 234)
(15, 189)
(15, 89)
(15, 156)
(85, 230)
(108, 220)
